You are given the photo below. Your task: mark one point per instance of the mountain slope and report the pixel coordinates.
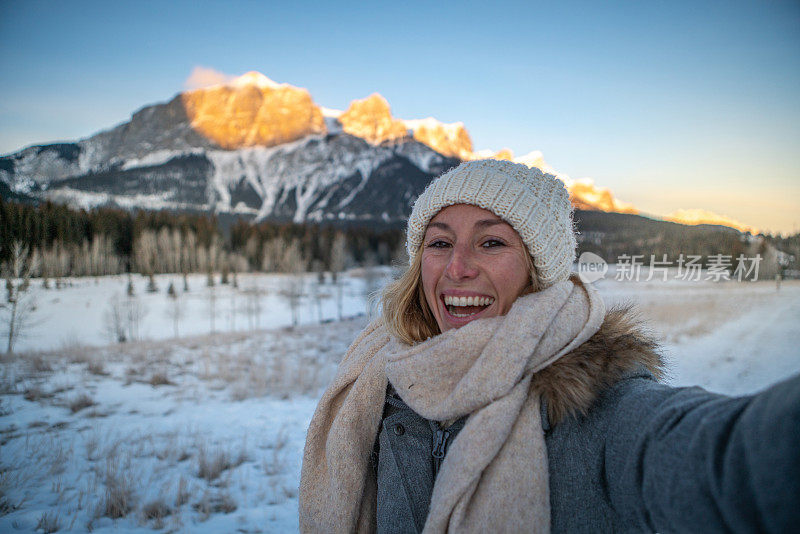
(253, 146)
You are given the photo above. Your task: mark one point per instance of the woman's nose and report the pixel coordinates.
(461, 265)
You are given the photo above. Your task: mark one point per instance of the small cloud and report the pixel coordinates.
(205, 77)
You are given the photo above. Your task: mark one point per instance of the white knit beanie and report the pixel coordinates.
(535, 204)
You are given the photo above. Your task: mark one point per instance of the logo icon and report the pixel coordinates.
(591, 267)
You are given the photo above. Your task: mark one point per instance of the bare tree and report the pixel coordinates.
(339, 260)
(134, 312)
(232, 312)
(145, 251)
(20, 304)
(123, 318)
(252, 305)
(271, 255)
(339, 255)
(212, 308)
(115, 321)
(292, 261)
(317, 291)
(175, 309)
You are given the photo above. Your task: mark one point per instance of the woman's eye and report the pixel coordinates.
(492, 243)
(438, 243)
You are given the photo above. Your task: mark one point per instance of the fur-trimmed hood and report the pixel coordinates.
(571, 384)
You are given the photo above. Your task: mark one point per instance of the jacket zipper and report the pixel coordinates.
(439, 449)
(440, 443)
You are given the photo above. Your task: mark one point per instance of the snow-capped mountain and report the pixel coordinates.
(257, 147)
(250, 146)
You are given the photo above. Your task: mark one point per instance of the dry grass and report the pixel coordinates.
(97, 368)
(182, 493)
(156, 510)
(275, 462)
(160, 379)
(693, 314)
(48, 522)
(36, 393)
(40, 364)
(211, 464)
(215, 503)
(120, 470)
(92, 445)
(119, 496)
(80, 402)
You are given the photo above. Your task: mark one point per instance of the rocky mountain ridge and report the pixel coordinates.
(255, 147)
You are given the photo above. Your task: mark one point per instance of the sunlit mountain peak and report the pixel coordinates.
(371, 119)
(451, 139)
(252, 110)
(255, 78)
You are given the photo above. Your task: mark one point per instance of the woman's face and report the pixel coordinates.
(473, 265)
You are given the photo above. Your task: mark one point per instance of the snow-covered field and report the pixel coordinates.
(193, 431)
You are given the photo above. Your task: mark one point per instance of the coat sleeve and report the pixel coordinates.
(686, 460)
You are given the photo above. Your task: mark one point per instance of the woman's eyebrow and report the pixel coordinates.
(485, 223)
(440, 225)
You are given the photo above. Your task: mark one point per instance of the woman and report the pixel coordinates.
(496, 394)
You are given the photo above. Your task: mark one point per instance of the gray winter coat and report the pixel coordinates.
(632, 455)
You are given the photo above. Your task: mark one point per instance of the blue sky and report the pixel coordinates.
(669, 104)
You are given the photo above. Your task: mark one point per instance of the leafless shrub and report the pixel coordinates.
(275, 462)
(35, 393)
(80, 402)
(9, 479)
(73, 348)
(160, 379)
(78, 355)
(211, 465)
(48, 522)
(156, 510)
(215, 503)
(182, 495)
(39, 364)
(60, 455)
(97, 367)
(118, 499)
(123, 318)
(92, 443)
(21, 303)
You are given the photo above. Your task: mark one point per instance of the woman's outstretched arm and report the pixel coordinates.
(690, 460)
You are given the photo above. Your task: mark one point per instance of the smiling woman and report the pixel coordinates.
(473, 266)
(496, 393)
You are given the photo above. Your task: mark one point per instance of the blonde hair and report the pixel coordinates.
(405, 309)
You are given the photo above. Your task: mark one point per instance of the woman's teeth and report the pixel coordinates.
(468, 301)
(453, 303)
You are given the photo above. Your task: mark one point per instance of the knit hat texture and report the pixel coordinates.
(535, 204)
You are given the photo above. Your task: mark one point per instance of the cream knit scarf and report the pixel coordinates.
(494, 477)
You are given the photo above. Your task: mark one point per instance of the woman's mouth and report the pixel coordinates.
(462, 307)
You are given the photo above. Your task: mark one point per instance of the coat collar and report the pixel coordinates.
(621, 346)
